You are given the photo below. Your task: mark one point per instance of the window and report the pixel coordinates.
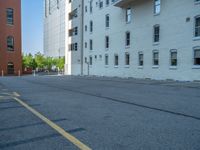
(10, 16)
(116, 60)
(91, 26)
(157, 4)
(107, 2)
(85, 44)
(10, 68)
(85, 8)
(58, 4)
(155, 58)
(140, 58)
(91, 45)
(107, 42)
(197, 26)
(173, 57)
(73, 31)
(73, 14)
(90, 62)
(106, 60)
(10, 43)
(127, 59)
(197, 56)
(107, 21)
(128, 15)
(85, 28)
(197, 1)
(128, 38)
(156, 37)
(76, 31)
(100, 4)
(75, 46)
(91, 6)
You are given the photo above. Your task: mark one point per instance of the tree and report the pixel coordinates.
(40, 60)
(60, 62)
(29, 61)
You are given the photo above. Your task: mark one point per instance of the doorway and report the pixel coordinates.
(10, 68)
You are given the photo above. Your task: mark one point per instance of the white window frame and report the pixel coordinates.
(153, 59)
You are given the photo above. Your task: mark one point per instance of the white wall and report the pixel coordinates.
(175, 33)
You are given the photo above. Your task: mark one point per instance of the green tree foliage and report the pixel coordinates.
(41, 62)
(29, 61)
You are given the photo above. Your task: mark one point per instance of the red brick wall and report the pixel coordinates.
(7, 30)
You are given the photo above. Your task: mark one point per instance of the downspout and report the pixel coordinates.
(82, 36)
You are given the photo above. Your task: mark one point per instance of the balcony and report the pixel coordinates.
(123, 3)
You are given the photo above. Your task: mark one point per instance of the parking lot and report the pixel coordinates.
(99, 113)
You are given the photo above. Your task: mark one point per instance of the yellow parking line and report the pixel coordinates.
(66, 135)
(16, 94)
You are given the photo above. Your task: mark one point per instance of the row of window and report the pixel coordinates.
(155, 58)
(156, 28)
(156, 35)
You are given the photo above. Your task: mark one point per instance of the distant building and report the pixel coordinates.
(10, 37)
(62, 35)
(54, 28)
(156, 39)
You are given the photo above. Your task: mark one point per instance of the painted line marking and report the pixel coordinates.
(66, 135)
(16, 94)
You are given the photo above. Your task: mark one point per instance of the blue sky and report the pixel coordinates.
(32, 26)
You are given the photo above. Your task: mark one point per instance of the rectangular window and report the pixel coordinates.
(127, 59)
(100, 4)
(91, 26)
(128, 15)
(106, 60)
(90, 60)
(155, 58)
(73, 14)
(91, 45)
(75, 46)
(10, 16)
(107, 2)
(141, 61)
(128, 38)
(197, 26)
(91, 6)
(157, 4)
(173, 57)
(107, 21)
(107, 42)
(197, 56)
(156, 33)
(116, 63)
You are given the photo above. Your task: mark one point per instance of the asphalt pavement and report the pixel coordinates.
(99, 112)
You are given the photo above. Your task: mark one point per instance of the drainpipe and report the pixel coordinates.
(82, 36)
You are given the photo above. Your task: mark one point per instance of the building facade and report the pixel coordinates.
(10, 37)
(156, 39)
(63, 33)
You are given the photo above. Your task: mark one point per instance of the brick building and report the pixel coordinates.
(10, 37)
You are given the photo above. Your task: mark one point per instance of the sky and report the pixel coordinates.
(32, 26)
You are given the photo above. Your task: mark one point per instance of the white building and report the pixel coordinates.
(157, 39)
(63, 32)
(54, 28)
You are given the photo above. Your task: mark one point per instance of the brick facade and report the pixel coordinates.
(13, 56)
